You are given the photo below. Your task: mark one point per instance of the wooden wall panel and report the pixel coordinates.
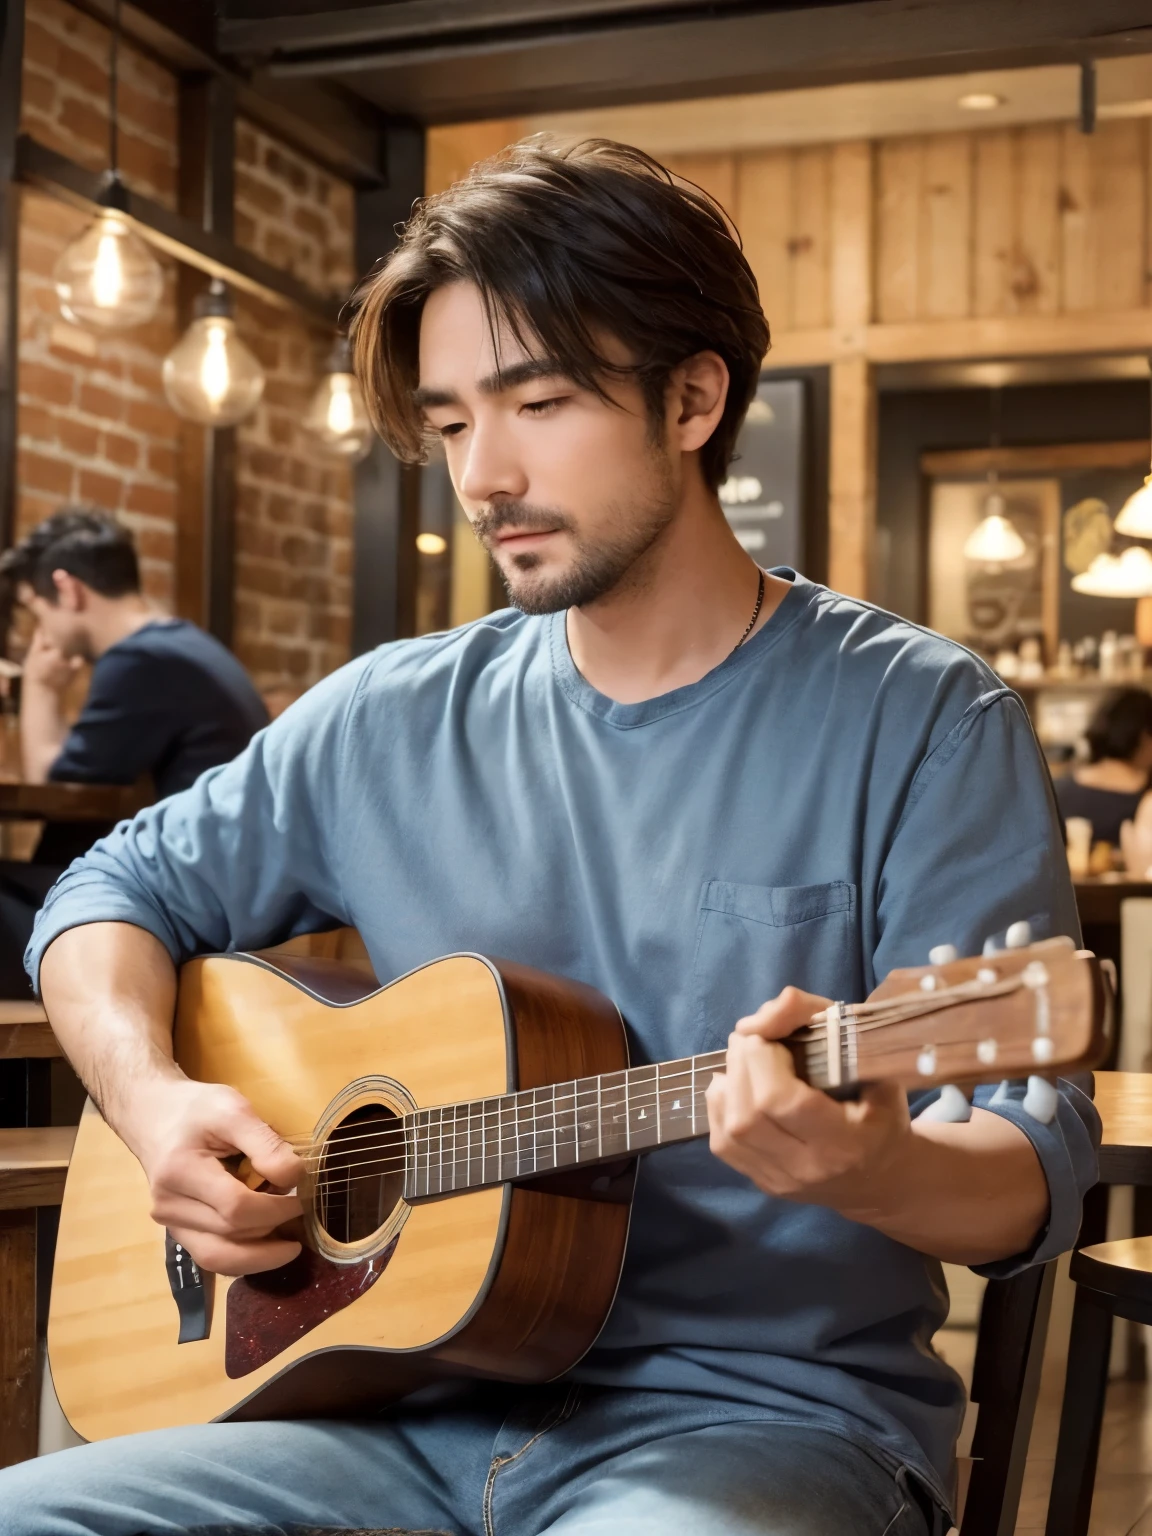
(899, 191)
(1119, 179)
(764, 218)
(993, 222)
(946, 227)
(852, 200)
(809, 244)
(1034, 281)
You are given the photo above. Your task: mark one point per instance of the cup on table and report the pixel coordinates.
(1078, 836)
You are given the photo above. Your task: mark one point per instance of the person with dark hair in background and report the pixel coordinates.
(165, 702)
(1108, 788)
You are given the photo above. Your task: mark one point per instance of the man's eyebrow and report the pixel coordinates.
(526, 372)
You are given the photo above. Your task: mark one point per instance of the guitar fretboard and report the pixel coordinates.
(567, 1125)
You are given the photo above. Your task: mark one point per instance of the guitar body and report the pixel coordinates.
(512, 1282)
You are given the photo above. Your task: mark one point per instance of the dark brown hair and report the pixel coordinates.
(1120, 723)
(565, 243)
(84, 541)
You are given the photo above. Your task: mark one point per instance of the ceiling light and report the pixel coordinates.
(431, 543)
(337, 417)
(980, 101)
(107, 278)
(1125, 575)
(1135, 516)
(994, 540)
(210, 376)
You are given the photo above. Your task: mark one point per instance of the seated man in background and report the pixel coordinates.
(166, 700)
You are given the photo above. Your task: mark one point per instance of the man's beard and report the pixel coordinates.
(595, 569)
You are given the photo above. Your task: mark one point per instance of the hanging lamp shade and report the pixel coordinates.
(1125, 575)
(1135, 517)
(994, 540)
(108, 279)
(210, 376)
(337, 417)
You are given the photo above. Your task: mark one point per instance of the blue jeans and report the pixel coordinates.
(488, 1461)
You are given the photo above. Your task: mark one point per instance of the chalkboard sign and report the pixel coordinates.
(763, 494)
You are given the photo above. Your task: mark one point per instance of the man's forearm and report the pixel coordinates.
(968, 1193)
(110, 993)
(43, 731)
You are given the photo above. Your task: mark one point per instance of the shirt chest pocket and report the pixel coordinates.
(754, 940)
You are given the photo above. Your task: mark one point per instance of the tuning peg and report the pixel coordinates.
(951, 1106)
(943, 954)
(1002, 1094)
(1019, 936)
(990, 946)
(1040, 1100)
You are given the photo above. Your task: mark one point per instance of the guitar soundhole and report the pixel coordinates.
(361, 1178)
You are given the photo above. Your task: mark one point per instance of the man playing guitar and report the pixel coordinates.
(691, 783)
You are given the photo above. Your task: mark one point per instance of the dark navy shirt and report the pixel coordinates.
(842, 793)
(168, 701)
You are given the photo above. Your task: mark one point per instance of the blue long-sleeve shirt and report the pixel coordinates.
(842, 793)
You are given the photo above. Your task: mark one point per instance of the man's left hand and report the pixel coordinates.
(794, 1141)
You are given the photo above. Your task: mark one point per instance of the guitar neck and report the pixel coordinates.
(576, 1124)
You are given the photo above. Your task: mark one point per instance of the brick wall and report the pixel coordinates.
(93, 421)
(294, 504)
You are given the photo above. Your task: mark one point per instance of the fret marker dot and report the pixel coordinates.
(676, 1104)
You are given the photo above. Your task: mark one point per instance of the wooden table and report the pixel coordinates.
(1124, 1100)
(25, 1032)
(70, 802)
(1098, 897)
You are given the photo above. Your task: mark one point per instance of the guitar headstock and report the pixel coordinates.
(1035, 1011)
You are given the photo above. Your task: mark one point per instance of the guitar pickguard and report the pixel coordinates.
(266, 1313)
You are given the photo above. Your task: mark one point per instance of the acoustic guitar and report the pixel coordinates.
(470, 1135)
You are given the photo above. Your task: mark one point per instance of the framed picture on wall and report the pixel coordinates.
(993, 606)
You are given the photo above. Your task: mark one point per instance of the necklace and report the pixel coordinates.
(752, 620)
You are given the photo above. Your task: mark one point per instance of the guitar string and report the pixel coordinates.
(476, 1150)
(432, 1135)
(913, 1005)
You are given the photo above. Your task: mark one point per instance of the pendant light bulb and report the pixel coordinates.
(337, 417)
(108, 279)
(210, 376)
(1126, 575)
(994, 540)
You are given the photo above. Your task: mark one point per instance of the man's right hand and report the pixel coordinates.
(180, 1130)
(46, 666)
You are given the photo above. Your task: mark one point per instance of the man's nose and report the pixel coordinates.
(491, 468)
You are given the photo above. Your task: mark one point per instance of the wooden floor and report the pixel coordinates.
(1122, 1505)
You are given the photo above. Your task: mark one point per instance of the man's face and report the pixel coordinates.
(60, 623)
(567, 491)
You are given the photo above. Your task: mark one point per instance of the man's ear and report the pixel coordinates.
(697, 394)
(71, 593)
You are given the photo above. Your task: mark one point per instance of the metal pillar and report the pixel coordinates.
(207, 540)
(387, 495)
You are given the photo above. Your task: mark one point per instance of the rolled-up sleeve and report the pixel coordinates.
(241, 859)
(978, 848)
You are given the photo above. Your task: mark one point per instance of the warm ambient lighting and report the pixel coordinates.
(337, 417)
(980, 101)
(108, 278)
(1135, 516)
(994, 540)
(210, 376)
(431, 543)
(1125, 575)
